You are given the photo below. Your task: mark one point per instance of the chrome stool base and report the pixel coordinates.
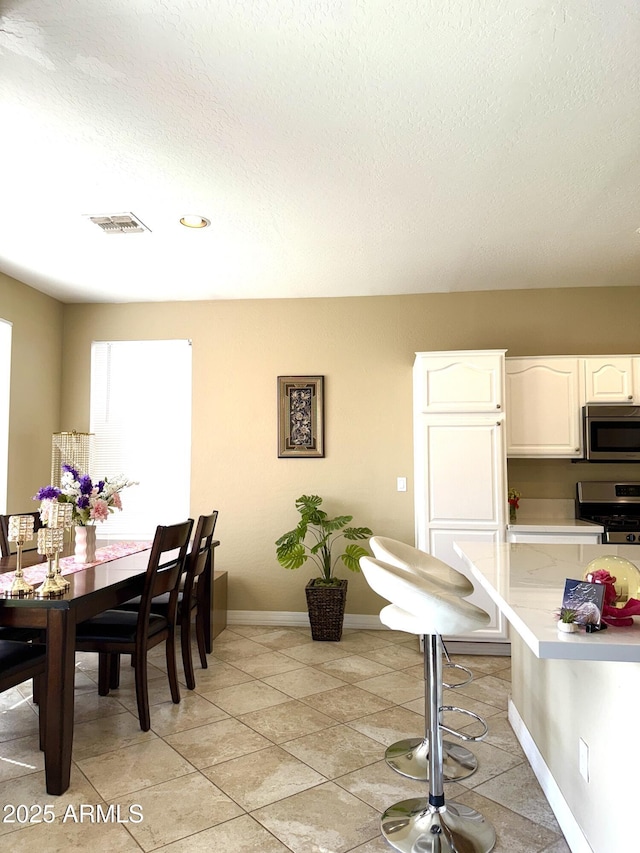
(415, 826)
(411, 758)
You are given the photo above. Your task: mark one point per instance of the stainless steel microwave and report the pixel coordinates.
(612, 432)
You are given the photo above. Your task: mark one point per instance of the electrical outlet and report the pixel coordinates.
(583, 759)
(402, 484)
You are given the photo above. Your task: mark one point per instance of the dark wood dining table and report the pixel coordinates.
(92, 590)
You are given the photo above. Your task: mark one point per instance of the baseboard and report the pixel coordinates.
(292, 618)
(568, 824)
(285, 618)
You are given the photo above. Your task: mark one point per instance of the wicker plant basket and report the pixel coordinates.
(326, 610)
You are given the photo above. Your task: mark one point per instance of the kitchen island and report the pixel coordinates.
(575, 698)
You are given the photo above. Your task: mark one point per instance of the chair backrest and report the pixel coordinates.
(404, 556)
(5, 545)
(435, 611)
(200, 553)
(164, 570)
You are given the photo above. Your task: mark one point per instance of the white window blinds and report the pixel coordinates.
(141, 420)
(5, 384)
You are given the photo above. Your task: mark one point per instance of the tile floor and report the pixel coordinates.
(280, 748)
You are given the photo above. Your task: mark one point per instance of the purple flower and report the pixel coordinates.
(71, 470)
(83, 502)
(100, 486)
(86, 486)
(47, 493)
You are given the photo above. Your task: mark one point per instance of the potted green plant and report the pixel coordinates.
(567, 621)
(315, 537)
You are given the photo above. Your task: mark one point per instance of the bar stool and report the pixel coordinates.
(429, 824)
(410, 756)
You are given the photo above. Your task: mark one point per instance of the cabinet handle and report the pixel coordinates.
(630, 397)
(498, 423)
(498, 404)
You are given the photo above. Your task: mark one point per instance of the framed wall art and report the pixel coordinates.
(300, 416)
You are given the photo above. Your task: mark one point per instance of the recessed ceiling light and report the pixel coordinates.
(192, 220)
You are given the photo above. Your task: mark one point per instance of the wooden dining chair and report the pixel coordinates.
(192, 596)
(20, 634)
(117, 632)
(19, 662)
(5, 545)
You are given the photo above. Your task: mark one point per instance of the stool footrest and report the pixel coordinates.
(468, 680)
(461, 735)
(410, 758)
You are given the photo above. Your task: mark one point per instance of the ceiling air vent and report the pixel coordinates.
(119, 223)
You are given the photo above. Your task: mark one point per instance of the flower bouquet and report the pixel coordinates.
(91, 501)
(514, 502)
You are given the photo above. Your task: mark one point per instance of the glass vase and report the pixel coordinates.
(512, 514)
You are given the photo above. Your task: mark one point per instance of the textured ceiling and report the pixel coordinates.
(339, 147)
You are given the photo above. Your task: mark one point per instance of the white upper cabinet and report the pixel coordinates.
(544, 402)
(609, 379)
(459, 382)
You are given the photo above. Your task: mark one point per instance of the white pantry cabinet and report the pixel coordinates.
(462, 468)
(441, 545)
(544, 399)
(460, 460)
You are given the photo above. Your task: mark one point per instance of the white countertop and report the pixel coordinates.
(527, 582)
(554, 525)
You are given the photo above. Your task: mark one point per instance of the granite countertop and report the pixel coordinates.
(527, 582)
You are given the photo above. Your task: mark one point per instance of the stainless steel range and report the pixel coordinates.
(614, 505)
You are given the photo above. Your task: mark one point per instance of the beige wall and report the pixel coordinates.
(35, 388)
(364, 347)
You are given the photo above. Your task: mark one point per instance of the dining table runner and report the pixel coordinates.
(68, 565)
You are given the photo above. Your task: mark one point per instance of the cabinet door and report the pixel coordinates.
(441, 546)
(460, 471)
(544, 400)
(459, 382)
(608, 380)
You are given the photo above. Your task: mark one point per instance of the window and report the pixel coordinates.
(5, 386)
(141, 420)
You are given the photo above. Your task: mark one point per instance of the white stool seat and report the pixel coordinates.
(427, 608)
(399, 620)
(404, 556)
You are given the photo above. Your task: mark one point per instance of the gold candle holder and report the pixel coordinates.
(60, 519)
(58, 543)
(20, 531)
(48, 539)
